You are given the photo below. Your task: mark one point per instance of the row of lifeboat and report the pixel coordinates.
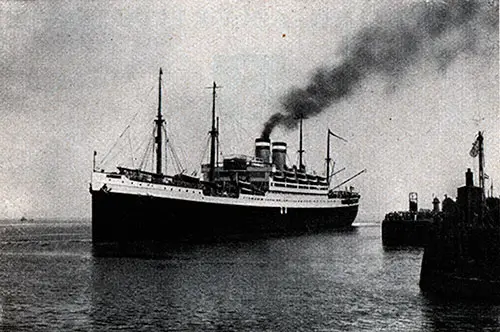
(296, 176)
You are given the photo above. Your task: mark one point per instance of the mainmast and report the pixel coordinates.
(159, 124)
(301, 150)
(214, 134)
(328, 159)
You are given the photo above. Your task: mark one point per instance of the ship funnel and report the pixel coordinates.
(279, 155)
(263, 149)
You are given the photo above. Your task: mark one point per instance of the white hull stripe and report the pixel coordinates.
(124, 185)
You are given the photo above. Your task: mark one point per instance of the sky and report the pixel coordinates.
(79, 76)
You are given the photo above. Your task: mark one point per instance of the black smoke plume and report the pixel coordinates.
(435, 30)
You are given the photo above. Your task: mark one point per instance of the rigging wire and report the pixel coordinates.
(153, 151)
(240, 128)
(204, 153)
(144, 160)
(103, 160)
(131, 150)
(114, 145)
(114, 155)
(176, 162)
(243, 129)
(143, 146)
(184, 156)
(180, 155)
(167, 145)
(146, 152)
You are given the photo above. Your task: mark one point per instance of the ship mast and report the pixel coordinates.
(328, 159)
(217, 150)
(159, 123)
(214, 134)
(301, 150)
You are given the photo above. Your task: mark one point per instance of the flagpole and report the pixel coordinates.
(481, 161)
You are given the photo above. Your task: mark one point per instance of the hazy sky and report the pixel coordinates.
(75, 74)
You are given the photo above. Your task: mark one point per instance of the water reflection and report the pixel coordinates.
(279, 284)
(51, 279)
(158, 250)
(198, 287)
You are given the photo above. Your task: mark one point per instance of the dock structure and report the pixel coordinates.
(408, 228)
(462, 257)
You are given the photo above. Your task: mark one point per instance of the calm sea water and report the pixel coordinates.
(52, 280)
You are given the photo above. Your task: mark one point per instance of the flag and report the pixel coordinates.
(334, 135)
(475, 149)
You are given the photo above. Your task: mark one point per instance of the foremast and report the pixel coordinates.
(159, 125)
(214, 133)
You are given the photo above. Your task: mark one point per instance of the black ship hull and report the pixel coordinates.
(120, 218)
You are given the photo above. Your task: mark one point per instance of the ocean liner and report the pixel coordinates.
(242, 195)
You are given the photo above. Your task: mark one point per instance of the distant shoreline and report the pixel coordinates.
(74, 220)
(35, 220)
